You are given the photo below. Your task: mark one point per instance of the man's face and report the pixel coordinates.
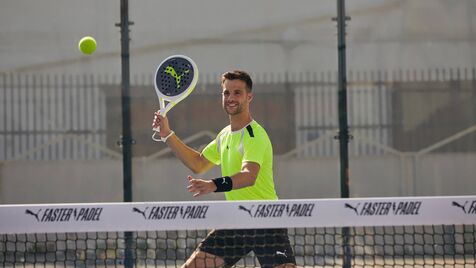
(235, 97)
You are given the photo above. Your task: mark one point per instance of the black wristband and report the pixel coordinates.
(224, 184)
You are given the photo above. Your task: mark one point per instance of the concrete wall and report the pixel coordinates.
(165, 179)
(260, 36)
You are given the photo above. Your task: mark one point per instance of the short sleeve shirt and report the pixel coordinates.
(231, 149)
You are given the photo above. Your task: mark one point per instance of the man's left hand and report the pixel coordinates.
(200, 187)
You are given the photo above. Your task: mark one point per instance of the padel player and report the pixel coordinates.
(244, 151)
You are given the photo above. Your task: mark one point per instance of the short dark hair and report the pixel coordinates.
(238, 75)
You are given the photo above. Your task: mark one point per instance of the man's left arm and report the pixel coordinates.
(245, 178)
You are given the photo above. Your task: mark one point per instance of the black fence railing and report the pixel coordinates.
(61, 117)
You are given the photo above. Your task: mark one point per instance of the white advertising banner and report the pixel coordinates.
(150, 216)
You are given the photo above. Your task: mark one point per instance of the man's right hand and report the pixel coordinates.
(162, 122)
(193, 159)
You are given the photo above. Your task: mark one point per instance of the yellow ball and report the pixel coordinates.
(87, 45)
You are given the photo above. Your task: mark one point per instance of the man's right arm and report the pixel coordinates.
(195, 161)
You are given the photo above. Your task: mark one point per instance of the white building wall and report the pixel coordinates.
(165, 179)
(260, 36)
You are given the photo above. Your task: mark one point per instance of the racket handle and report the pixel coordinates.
(156, 130)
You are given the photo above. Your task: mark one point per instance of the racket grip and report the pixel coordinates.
(163, 112)
(156, 130)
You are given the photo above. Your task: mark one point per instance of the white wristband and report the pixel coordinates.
(164, 139)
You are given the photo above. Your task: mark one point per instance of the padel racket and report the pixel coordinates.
(175, 79)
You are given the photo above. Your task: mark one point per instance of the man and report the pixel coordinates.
(245, 154)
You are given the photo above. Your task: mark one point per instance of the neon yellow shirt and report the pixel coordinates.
(249, 144)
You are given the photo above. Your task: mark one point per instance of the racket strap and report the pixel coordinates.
(164, 139)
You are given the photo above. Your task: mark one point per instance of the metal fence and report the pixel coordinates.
(403, 111)
(51, 117)
(58, 117)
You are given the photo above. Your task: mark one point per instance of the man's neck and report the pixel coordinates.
(238, 122)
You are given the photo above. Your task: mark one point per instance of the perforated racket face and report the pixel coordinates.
(174, 76)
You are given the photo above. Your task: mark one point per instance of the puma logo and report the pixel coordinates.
(281, 253)
(245, 209)
(29, 212)
(171, 71)
(456, 204)
(353, 208)
(140, 211)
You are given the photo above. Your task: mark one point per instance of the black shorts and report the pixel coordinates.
(271, 246)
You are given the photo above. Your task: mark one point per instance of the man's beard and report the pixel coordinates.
(234, 110)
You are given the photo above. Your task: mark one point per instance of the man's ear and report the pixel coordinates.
(250, 97)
